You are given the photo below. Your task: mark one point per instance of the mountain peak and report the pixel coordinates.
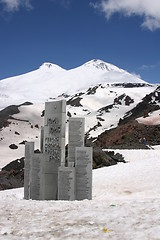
(50, 80)
(48, 65)
(100, 64)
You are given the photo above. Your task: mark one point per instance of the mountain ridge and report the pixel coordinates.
(50, 80)
(104, 95)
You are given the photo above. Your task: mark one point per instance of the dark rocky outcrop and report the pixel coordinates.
(107, 158)
(17, 133)
(129, 132)
(131, 85)
(92, 90)
(13, 146)
(75, 102)
(127, 100)
(12, 175)
(7, 113)
(23, 142)
(129, 135)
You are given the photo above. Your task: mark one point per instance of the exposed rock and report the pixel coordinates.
(94, 128)
(108, 158)
(42, 114)
(69, 114)
(127, 100)
(75, 102)
(128, 136)
(23, 142)
(92, 90)
(16, 165)
(12, 175)
(37, 151)
(7, 113)
(130, 85)
(17, 133)
(105, 109)
(100, 119)
(13, 146)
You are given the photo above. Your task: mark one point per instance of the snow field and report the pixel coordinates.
(125, 205)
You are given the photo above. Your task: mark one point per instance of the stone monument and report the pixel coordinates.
(53, 147)
(83, 166)
(29, 151)
(66, 183)
(45, 175)
(75, 137)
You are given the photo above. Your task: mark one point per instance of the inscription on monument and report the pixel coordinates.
(35, 176)
(53, 147)
(76, 136)
(66, 183)
(83, 173)
(29, 151)
(54, 125)
(45, 175)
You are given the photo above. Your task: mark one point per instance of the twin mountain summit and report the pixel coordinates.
(119, 108)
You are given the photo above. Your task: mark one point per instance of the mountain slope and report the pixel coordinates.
(100, 92)
(50, 80)
(102, 107)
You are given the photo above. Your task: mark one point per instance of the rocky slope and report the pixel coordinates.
(132, 131)
(111, 115)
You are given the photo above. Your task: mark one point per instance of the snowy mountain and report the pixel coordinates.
(101, 92)
(51, 80)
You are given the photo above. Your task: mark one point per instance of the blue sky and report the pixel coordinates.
(72, 32)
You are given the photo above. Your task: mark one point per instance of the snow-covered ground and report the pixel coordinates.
(125, 206)
(152, 119)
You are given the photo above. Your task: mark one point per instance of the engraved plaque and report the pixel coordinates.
(83, 166)
(66, 183)
(35, 176)
(75, 137)
(29, 151)
(49, 186)
(54, 131)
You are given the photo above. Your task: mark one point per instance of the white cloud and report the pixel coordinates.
(14, 5)
(149, 10)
